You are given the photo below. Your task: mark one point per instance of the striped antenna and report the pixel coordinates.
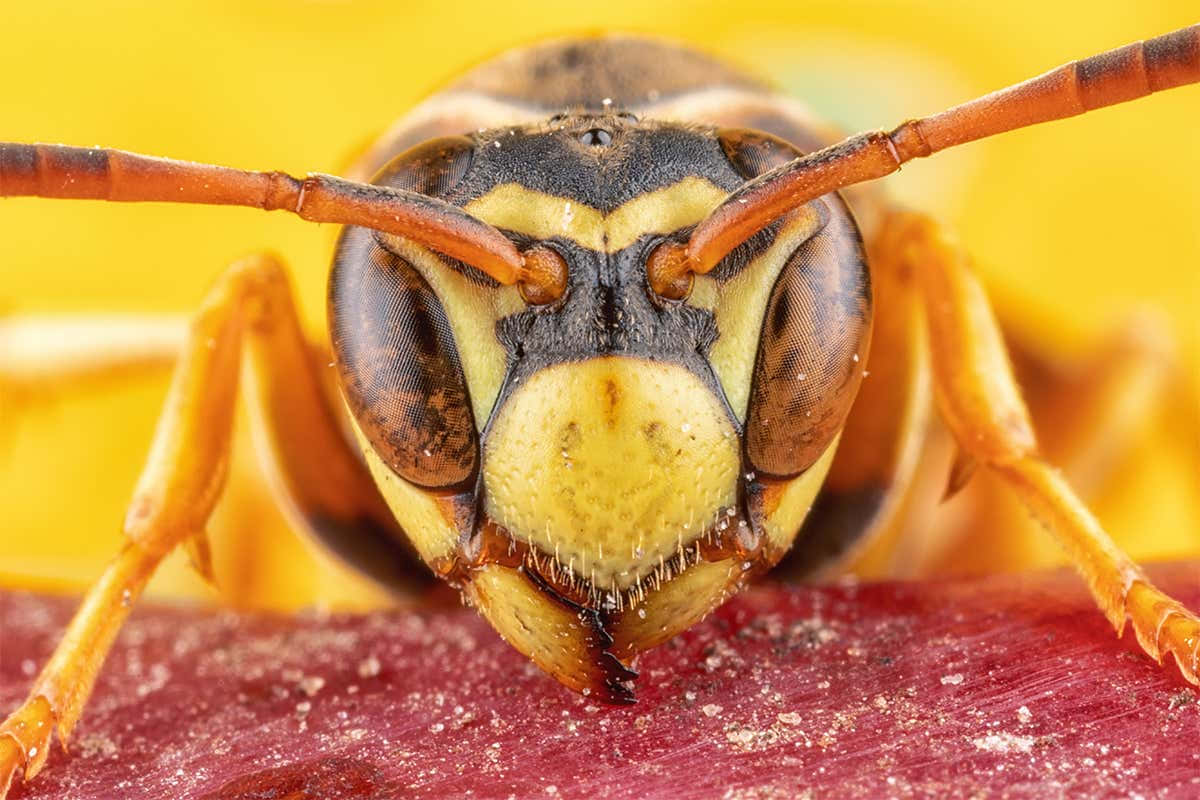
(1123, 74)
(43, 170)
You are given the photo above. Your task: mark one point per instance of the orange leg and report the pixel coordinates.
(45, 355)
(184, 476)
(1089, 412)
(981, 405)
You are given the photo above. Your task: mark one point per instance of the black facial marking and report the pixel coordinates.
(601, 161)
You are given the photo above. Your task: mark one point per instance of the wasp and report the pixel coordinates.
(600, 326)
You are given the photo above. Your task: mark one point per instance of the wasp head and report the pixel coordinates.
(600, 465)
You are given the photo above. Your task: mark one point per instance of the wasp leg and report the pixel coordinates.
(979, 400)
(184, 476)
(1088, 411)
(307, 450)
(45, 355)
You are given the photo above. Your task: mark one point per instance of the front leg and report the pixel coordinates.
(982, 406)
(183, 478)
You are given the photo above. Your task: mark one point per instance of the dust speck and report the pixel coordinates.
(369, 667)
(95, 745)
(1181, 698)
(1004, 743)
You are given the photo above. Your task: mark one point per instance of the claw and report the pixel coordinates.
(199, 553)
(961, 472)
(1163, 625)
(11, 759)
(25, 741)
(1181, 631)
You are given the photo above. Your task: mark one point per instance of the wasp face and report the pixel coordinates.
(599, 471)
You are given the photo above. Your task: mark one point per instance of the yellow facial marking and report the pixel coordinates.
(472, 311)
(739, 306)
(795, 500)
(513, 207)
(612, 465)
(662, 211)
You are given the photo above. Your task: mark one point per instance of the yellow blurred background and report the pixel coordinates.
(1076, 222)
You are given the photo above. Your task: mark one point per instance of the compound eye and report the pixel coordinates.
(812, 350)
(434, 167)
(751, 152)
(400, 368)
(393, 343)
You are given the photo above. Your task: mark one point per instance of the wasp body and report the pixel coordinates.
(600, 433)
(608, 344)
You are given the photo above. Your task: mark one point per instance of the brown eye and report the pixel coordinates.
(433, 168)
(812, 351)
(751, 153)
(399, 365)
(394, 346)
